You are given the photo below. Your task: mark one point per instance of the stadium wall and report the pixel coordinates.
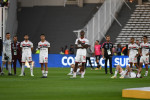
(58, 60)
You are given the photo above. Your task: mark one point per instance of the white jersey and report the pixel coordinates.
(43, 46)
(26, 47)
(133, 49)
(7, 46)
(81, 53)
(145, 48)
(84, 41)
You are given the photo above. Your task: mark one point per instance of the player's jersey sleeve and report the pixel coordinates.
(39, 45)
(140, 45)
(48, 44)
(87, 41)
(21, 44)
(31, 44)
(76, 42)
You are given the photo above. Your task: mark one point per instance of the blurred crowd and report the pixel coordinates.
(3, 3)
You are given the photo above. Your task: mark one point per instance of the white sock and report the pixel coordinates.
(146, 73)
(22, 69)
(82, 73)
(71, 70)
(9, 68)
(116, 72)
(46, 72)
(78, 69)
(2, 68)
(31, 69)
(74, 74)
(43, 72)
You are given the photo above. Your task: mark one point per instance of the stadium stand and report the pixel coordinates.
(123, 16)
(137, 25)
(37, 20)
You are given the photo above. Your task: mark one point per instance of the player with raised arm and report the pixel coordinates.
(127, 73)
(144, 52)
(81, 45)
(27, 47)
(133, 53)
(6, 56)
(44, 47)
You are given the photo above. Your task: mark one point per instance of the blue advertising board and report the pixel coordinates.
(58, 60)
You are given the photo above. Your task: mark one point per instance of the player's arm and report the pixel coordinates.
(103, 49)
(4, 44)
(31, 46)
(112, 50)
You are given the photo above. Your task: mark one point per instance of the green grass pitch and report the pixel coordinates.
(58, 86)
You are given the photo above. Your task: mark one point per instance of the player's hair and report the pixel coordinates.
(26, 35)
(137, 40)
(42, 35)
(97, 41)
(82, 31)
(7, 33)
(107, 36)
(15, 36)
(145, 36)
(132, 37)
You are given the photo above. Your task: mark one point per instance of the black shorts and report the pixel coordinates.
(98, 57)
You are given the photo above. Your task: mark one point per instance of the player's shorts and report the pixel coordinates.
(81, 56)
(26, 58)
(98, 57)
(43, 59)
(9, 58)
(132, 59)
(144, 59)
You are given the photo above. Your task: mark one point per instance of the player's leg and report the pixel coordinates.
(146, 65)
(97, 61)
(90, 63)
(82, 70)
(77, 60)
(146, 68)
(118, 69)
(42, 69)
(23, 65)
(75, 70)
(110, 64)
(139, 72)
(29, 59)
(106, 59)
(9, 68)
(2, 69)
(14, 64)
(71, 69)
(31, 68)
(46, 70)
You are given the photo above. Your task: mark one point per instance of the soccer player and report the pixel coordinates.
(107, 52)
(27, 47)
(133, 52)
(81, 46)
(127, 73)
(44, 47)
(144, 52)
(16, 53)
(7, 54)
(97, 50)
